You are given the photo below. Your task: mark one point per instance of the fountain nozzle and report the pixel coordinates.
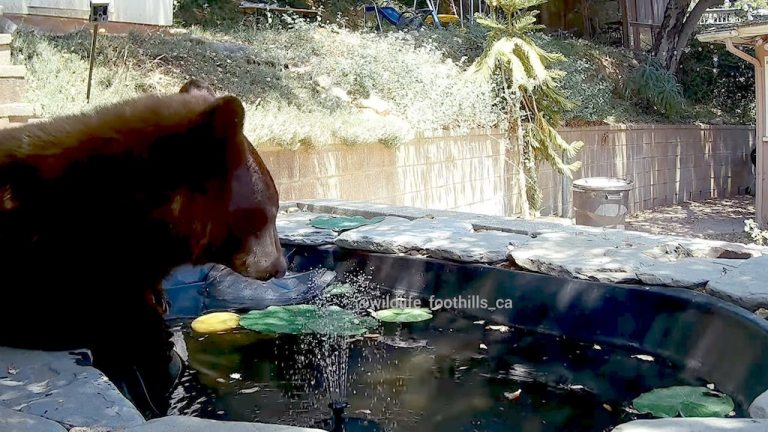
(338, 407)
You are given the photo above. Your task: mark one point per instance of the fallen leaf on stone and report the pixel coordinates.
(481, 322)
(607, 407)
(498, 328)
(483, 346)
(220, 380)
(363, 411)
(513, 395)
(643, 357)
(250, 390)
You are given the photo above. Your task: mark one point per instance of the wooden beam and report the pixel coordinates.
(624, 23)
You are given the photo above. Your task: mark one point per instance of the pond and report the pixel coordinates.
(564, 356)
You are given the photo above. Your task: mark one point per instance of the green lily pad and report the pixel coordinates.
(403, 315)
(343, 223)
(306, 319)
(339, 289)
(337, 321)
(684, 400)
(279, 319)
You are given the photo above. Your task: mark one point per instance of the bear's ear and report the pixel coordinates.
(227, 117)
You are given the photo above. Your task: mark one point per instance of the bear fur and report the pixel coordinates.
(97, 208)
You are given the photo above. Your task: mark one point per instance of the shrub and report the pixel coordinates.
(283, 70)
(656, 89)
(713, 77)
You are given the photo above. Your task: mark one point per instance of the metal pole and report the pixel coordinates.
(93, 53)
(461, 12)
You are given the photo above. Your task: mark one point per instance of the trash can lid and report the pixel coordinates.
(603, 184)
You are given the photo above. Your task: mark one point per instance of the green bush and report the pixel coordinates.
(713, 77)
(655, 89)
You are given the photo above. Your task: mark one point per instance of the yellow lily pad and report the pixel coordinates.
(216, 322)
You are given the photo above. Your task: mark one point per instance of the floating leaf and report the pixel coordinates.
(343, 223)
(307, 319)
(402, 315)
(398, 342)
(643, 357)
(216, 322)
(513, 395)
(337, 321)
(280, 319)
(498, 328)
(339, 289)
(684, 400)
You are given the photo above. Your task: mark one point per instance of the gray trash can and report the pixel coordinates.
(601, 201)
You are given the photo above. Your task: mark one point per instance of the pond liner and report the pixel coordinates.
(706, 336)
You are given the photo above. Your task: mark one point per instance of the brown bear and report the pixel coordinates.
(97, 208)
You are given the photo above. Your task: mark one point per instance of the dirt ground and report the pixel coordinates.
(714, 219)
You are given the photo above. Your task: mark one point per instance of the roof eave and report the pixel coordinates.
(739, 35)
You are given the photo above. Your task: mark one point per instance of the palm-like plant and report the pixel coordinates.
(528, 88)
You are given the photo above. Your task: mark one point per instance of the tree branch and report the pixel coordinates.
(689, 26)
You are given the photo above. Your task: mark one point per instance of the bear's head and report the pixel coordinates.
(250, 244)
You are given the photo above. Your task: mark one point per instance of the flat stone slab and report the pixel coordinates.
(759, 407)
(438, 237)
(629, 257)
(685, 273)
(608, 257)
(746, 286)
(294, 228)
(192, 424)
(694, 425)
(14, 421)
(63, 387)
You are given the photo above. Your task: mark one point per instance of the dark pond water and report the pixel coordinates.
(454, 374)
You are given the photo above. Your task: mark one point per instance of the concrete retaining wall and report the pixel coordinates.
(470, 172)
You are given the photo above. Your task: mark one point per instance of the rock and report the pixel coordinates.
(762, 313)
(477, 247)
(606, 257)
(192, 424)
(437, 237)
(759, 407)
(294, 228)
(89, 429)
(398, 235)
(685, 273)
(694, 425)
(359, 208)
(14, 421)
(702, 248)
(63, 387)
(745, 285)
